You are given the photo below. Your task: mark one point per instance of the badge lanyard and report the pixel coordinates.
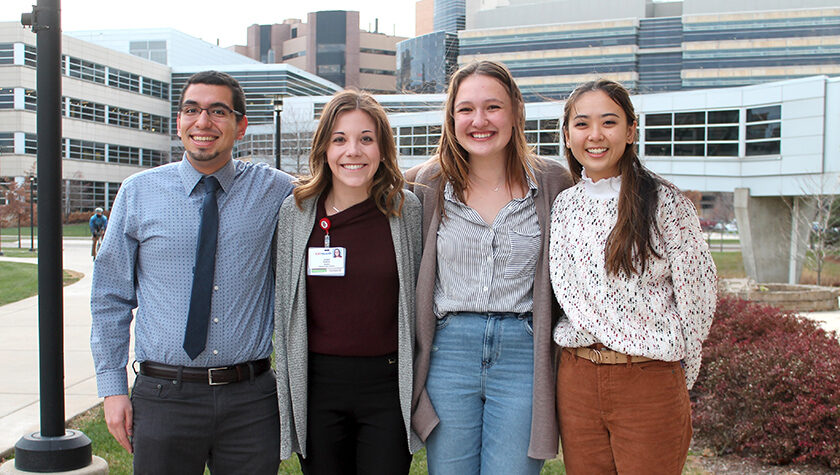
(325, 225)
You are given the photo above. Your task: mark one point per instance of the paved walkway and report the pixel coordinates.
(19, 396)
(19, 390)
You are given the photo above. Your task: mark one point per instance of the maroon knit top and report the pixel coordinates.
(355, 315)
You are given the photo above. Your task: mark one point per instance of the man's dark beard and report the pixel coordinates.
(202, 157)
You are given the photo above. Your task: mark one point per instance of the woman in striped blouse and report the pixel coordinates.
(637, 284)
(483, 392)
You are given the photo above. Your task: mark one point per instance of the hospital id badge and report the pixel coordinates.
(326, 261)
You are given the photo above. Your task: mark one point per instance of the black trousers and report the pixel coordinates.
(355, 424)
(181, 426)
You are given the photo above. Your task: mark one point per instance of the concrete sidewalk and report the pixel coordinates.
(19, 366)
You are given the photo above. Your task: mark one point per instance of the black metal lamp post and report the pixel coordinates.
(31, 214)
(278, 108)
(53, 449)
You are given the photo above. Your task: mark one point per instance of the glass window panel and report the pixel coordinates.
(7, 98)
(531, 137)
(549, 137)
(549, 124)
(658, 119)
(657, 150)
(764, 131)
(723, 133)
(770, 147)
(689, 134)
(658, 135)
(689, 150)
(405, 140)
(531, 124)
(764, 113)
(549, 150)
(688, 118)
(723, 117)
(722, 150)
(419, 140)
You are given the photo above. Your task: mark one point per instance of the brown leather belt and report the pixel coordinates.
(212, 376)
(606, 356)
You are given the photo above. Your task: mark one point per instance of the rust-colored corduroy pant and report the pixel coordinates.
(622, 418)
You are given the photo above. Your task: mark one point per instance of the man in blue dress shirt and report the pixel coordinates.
(218, 408)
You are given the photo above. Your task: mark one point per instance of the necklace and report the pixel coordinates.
(336, 209)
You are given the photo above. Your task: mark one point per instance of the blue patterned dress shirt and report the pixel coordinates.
(146, 263)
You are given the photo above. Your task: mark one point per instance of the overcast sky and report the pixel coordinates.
(214, 19)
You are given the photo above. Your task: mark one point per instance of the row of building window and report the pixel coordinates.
(88, 150)
(93, 72)
(113, 115)
(714, 133)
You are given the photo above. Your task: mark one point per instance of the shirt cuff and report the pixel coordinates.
(112, 383)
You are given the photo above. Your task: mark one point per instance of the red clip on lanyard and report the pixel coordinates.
(325, 225)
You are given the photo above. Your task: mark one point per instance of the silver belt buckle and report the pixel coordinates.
(210, 376)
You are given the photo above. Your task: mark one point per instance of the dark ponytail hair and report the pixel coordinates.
(629, 243)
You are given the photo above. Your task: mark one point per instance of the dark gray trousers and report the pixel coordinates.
(180, 427)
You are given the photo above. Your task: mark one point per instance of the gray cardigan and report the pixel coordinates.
(290, 332)
(552, 178)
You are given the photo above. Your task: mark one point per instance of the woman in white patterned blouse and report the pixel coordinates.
(637, 285)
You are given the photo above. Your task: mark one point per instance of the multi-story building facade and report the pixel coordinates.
(119, 104)
(553, 45)
(331, 45)
(115, 116)
(425, 62)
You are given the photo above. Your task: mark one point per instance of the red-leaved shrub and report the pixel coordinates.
(769, 386)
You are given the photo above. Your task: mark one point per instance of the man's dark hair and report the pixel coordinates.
(218, 78)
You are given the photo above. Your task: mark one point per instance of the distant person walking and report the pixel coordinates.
(98, 223)
(637, 286)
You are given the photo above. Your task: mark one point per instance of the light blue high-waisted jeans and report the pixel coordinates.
(480, 383)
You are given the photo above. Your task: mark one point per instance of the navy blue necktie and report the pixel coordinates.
(195, 337)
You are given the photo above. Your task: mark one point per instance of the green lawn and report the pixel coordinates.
(20, 280)
(68, 230)
(22, 252)
(729, 265)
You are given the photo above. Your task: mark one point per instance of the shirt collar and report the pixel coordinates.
(605, 188)
(190, 176)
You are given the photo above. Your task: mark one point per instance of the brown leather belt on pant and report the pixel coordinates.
(606, 356)
(212, 376)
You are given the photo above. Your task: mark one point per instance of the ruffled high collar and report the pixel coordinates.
(605, 188)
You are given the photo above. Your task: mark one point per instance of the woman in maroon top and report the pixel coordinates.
(348, 250)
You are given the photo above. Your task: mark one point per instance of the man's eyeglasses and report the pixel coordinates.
(215, 112)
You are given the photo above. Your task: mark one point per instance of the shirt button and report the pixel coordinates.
(215, 287)
(489, 258)
(216, 320)
(485, 289)
(215, 352)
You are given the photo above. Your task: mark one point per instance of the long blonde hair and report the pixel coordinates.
(388, 182)
(454, 159)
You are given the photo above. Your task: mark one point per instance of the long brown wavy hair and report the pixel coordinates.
(629, 244)
(388, 182)
(454, 159)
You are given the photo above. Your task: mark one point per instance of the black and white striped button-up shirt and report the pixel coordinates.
(483, 267)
